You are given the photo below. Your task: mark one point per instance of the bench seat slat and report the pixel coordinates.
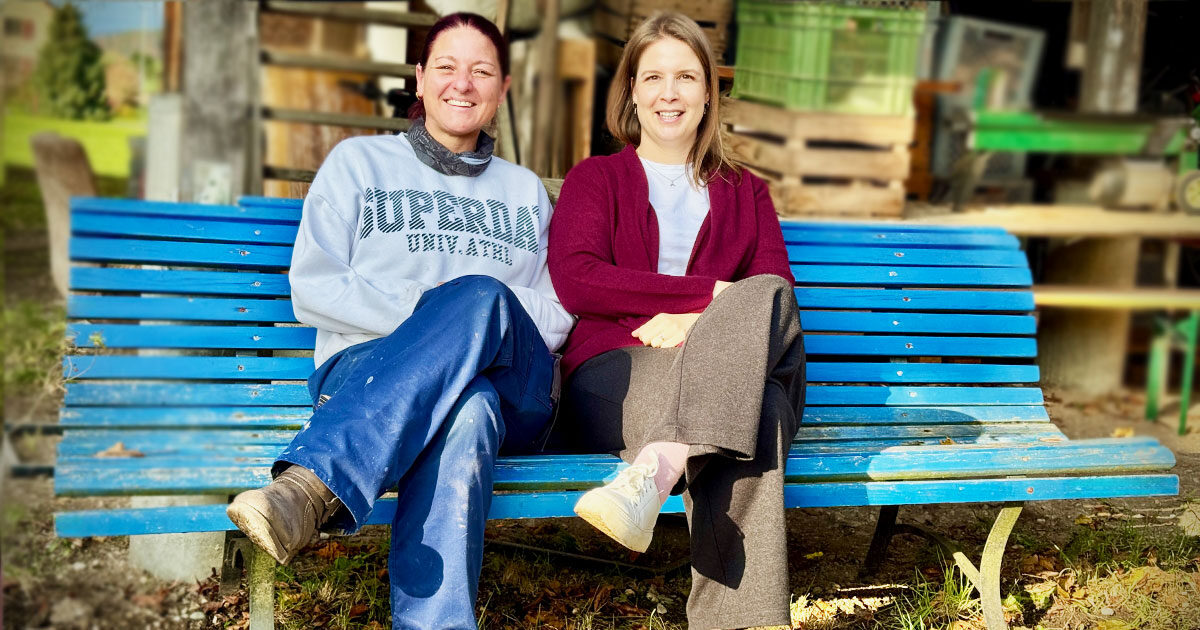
(180, 473)
(912, 256)
(888, 276)
(247, 284)
(277, 213)
(132, 251)
(837, 321)
(211, 518)
(294, 338)
(186, 418)
(190, 229)
(180, 309)
(920, 396)
(914, 300)
(175, 336)
(299, 368)
(887, 227)
(799, 235)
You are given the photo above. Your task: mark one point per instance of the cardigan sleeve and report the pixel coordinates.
(770, 254)
(582, 266)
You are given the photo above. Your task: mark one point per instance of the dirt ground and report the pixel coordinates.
(56, 583)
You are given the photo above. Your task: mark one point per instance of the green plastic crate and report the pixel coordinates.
(848, 58)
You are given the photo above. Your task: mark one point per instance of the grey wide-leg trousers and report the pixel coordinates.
(734, 391)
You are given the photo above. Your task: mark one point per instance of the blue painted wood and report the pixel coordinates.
(887, 227)
(251, 284)
(184, 417)
(204, 395)
(841, 321)
(915, 345)
(152, 367)
(950, 239)
(915, 299)
(173, 336)
(274, 213)
(844, 255)
(129, 251)
(211, 518)
(99, 224)
(920, 396)
(911, 276)
(814, 415)
(180, 308)
(270, 202)
(920, 373)
(179, 473)
(297, 368)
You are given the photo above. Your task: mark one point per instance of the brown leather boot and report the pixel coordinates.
(282, 517)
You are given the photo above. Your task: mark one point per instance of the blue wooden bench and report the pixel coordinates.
(923, 387)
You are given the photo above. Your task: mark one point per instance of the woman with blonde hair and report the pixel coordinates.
(687, 359)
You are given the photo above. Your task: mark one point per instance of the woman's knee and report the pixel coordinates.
(483, 287)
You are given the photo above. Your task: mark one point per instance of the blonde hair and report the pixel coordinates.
(708, 155)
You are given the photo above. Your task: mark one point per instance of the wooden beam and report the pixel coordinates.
(336, 11)
(1089, 297)
(333, 118)
(337, 64)
(1067, 221)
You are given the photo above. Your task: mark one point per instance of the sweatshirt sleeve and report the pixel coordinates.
(326, 291)
(770, 253)
(539, 299)
(582, 267)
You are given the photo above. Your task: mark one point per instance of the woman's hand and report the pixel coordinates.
(666, 330)
(720, 286)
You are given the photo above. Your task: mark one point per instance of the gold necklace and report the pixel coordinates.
(670, 181)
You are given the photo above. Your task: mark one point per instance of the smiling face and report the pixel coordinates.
(670, 94)
(461, 86)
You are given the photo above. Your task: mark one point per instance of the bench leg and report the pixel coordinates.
(261, 577)
(885, 527)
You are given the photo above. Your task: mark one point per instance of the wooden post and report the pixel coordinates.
(547, 89)
(63, 171)
(220, 48)
(1085, 350)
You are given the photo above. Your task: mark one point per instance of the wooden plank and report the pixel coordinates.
(184, 418)
(182, 309)
(240, 283)
(698, 10)
(800, 199)
(790, 159)
(335, 11)
(886, 226)
(906, 256)
(911, 276)
(218, 337)
(915, 396)
(1072, 221)
(964, 373)
(816, 416)
(131, 251)
(100, 224)
(1089, 297)
(797, 233)
(82, 367)
(198, 394)
(817, 125)
(209, 518)
(920, 346)
(282, 213)
(612, 25)
(337, 119)
(902, 323)
(332, 63)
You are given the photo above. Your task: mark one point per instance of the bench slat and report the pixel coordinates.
(920, 396)
(277, 213)
(177, 308)
(191, 229)
(799, 235)
(132, 251)
(299, 368)
(839, 321)
(211, 518)
(293, 338)
(888, 227)
(186, 418)
(251, 284)
(824, 254)
(911, 276)
(914, 299)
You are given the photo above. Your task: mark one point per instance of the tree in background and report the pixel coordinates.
(69, 77)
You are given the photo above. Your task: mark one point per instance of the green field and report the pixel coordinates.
(106, 143)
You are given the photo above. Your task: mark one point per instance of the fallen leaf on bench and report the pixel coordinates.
(1123, 432)
(119, 450)
(946, 440)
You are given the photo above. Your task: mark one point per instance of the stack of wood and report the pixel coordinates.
(617, 19)
(820, 163)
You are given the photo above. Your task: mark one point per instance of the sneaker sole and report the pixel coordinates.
(257, 528)
(630, 536)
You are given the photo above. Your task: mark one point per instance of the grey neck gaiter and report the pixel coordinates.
(439, 158)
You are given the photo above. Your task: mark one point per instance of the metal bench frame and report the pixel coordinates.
(922, 382)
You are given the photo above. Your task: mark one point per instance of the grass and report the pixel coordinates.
(106, 143)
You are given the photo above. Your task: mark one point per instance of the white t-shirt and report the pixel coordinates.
(680, 207)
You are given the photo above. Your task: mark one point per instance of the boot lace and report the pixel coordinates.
(632, 480)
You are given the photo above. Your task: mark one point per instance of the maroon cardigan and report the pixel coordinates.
(603, 251)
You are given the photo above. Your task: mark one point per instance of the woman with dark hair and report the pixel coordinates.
(688, 359)
(421, 262)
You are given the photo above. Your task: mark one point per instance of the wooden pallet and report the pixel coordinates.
(823, 164)
(615, 21)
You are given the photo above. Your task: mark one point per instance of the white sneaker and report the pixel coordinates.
(626, 508)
